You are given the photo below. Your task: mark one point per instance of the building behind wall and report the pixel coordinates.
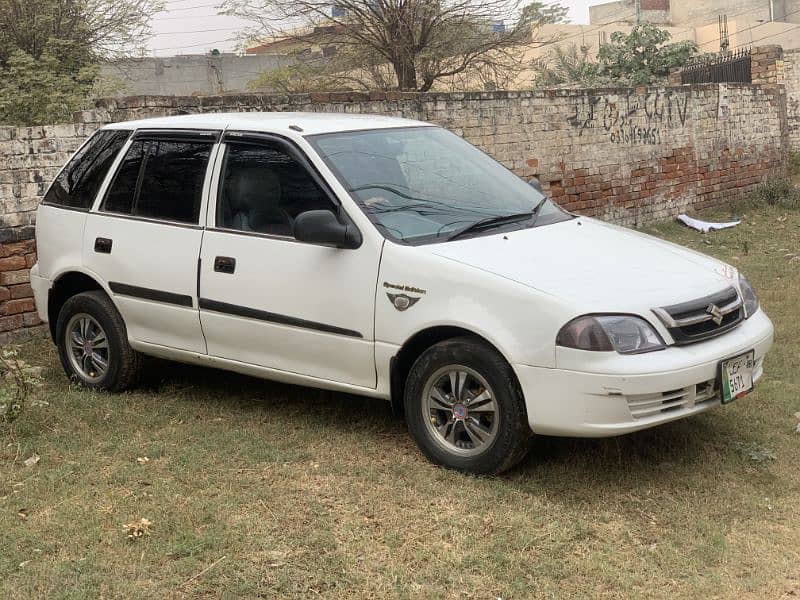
(749, 22)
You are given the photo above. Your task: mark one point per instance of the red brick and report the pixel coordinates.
(23, 290)
(12, 263)
(15, 307)
(30, 259)
(17, 248)
(15, 277)
(5, 293)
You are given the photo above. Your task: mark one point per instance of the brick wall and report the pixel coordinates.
(791, 79)
(764, 64)
(17, 310)
(630, 156)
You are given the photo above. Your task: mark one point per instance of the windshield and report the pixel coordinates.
(425, 184)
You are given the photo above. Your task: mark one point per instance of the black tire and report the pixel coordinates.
(124, 362)
(512, 433)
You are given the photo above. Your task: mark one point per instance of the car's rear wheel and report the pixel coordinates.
(465, 409)
(93, 343)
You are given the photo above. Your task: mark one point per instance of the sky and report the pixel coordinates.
(194, 27)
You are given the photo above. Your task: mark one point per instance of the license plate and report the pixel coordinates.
(736, 376)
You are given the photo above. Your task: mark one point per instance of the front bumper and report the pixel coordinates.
(616, 394)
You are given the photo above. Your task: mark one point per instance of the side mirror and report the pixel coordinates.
(536, 184)
(322, 227)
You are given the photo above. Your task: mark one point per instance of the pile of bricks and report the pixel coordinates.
(17, 310)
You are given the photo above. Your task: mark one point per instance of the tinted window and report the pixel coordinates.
(122, 191)
(161, 180)
(77, 185)
(264, 189)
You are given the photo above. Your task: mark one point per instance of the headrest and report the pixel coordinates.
(251, 187)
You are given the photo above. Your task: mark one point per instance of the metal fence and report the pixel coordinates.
(719, 68)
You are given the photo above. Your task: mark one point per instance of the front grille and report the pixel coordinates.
(650, 405)
(694, 321)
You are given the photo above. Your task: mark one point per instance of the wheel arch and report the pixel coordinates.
(414, 346)
(64, 287)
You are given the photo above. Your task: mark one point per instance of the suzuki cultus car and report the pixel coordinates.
(388, 258)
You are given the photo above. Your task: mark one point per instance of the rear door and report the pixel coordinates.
(268, 299)
(144, 240)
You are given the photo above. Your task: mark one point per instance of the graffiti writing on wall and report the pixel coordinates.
(631, 118)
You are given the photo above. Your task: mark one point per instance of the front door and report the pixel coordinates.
(145, 238)
(267, 299)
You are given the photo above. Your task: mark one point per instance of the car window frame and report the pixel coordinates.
(292, 149)
(211, 136)
(101, 190)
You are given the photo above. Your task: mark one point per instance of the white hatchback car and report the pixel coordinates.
(389, 258)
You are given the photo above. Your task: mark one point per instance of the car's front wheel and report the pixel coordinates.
(93, 343)
(464, 407)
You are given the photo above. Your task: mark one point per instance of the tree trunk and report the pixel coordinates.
(406, 74)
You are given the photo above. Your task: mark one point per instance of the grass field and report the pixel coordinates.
(256, 489)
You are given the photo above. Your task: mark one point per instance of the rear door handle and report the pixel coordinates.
(103, 245)
(224, 264)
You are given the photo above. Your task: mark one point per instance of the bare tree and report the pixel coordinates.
(421, 41)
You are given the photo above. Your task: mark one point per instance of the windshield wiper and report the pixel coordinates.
(499, 220)
(536, 210)
(488, 223)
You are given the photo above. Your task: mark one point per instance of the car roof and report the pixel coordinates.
(272, 122)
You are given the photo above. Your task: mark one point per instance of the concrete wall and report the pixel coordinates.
(630, 156)
(189, 75)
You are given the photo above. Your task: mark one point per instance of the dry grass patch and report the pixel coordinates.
(255, 489)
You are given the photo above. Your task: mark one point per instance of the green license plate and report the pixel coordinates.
(736, 376)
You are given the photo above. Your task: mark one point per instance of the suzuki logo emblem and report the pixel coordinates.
(716, 313)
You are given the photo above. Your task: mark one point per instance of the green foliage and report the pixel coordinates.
(794, 164)
(49, 51)
(17, 382)
(565, 67)
(776, 192)
(43, 90)
(643, 56)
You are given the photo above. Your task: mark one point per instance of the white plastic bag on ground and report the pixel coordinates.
(705, 226)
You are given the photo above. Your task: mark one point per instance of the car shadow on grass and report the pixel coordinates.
(666, 451)
(229, 390)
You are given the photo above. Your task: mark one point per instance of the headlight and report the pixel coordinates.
(749, 298)
(624, 333)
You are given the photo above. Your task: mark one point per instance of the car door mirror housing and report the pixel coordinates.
(323, 227)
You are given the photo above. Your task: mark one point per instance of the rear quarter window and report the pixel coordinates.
(80, 180)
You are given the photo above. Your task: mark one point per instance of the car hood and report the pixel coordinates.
(594, 266)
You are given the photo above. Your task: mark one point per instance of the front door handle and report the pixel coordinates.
(224, 264)
(103, 245)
